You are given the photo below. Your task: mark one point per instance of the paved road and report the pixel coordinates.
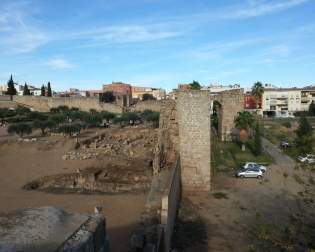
(279, 157)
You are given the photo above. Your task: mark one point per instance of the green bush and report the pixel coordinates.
(58, 118)
(70, 129)
(151, 116)
(287, 124)
(92, 119)
(20, 129)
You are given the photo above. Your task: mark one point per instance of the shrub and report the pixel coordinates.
(147, 97)
(20, 129)
(130, 117)
(287, 124)
(108, 115)
(43, 125)
(37, 116)
(58, 118)
(107, 97)
(151, 116)
(92, 120)
(70, 129)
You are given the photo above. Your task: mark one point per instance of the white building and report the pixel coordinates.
(216, 88)
(307, 96)
(281, 102)
(33, 90)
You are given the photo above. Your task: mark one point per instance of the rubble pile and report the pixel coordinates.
(128, 144)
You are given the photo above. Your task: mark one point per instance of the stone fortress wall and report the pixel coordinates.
(232, 102)
(193, 113)
(44, 104)
(154, 105)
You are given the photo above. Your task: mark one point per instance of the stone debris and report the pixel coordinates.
(128, 144)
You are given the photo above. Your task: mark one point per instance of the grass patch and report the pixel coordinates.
(220, 195)
(228, 157)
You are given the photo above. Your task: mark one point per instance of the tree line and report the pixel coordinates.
(11, 90)
(67, 120)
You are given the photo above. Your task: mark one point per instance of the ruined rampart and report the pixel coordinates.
(153, 105)
(193, 114)
(44, 104)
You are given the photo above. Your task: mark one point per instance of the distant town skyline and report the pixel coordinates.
(158, 43)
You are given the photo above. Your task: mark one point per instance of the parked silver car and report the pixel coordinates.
(249, 173)
(250, 165)
(308, 158)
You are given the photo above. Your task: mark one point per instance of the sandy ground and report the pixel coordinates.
(23, 162)
(274, 199)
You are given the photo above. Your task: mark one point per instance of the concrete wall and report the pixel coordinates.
(193, 111)
(170, 203)
(44, 104)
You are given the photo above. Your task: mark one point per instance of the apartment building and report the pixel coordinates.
(157, 93)
(307, 96)
(281, 102)
(122, 92)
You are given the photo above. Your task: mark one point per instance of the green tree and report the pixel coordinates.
(244, 121)
(257, 140)
(195, 85)
(304, 136)
(130, 117)
(107, 97)
(58, 118)
(70, 129)
(42, 125)
(26, 90)
(151, 116)
(20, 129)
(42, 91)
(257, 92)
(108, 115)
(49, 91)
(311, 109)
(147, 97)
(93, 119)
(11, 89)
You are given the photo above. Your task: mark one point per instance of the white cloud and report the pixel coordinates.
(256, 8)
(18, 32)
(60, 63)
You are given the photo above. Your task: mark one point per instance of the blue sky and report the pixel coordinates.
(160, 43)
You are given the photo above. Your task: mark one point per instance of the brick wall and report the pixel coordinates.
(193, 111)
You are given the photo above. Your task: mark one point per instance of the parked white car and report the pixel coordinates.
(308, 158)
(249, 173)
(249, 165)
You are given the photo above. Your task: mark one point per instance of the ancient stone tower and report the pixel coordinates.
(193, 114)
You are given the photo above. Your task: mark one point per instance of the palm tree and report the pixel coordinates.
(243, 122)
(258, 91)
